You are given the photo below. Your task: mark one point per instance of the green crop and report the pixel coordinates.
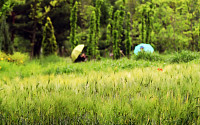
(122, 91)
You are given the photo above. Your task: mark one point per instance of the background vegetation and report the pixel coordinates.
(167, 25)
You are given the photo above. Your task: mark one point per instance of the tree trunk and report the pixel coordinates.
(37, 48)
(32, 55)
(60, 49)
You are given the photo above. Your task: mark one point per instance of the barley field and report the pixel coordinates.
(53, 90)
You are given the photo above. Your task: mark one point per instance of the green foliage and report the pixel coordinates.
(73, 25)
(97, 34)
(6, 6)
(167, 25)
(19, 57)
(28, 26)
(108, 34)
(49, 44)
(105, 10)
(118, 32)
(110, 13)
(92, 39)
(148, 56)
(109, 28)
(146, 11)
(116, 35)
(121, 21)
(21, 45)
(116, 49)
(37, 13)
(16, 57)
(98, 15)
(128, 38)
(171, 30)
(184, 56)
(94, 33)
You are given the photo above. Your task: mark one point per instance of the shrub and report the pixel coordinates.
(49, 43)
(148, 56)
(184, 56)
(17, 57)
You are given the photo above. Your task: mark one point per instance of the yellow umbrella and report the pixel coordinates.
(77, 51)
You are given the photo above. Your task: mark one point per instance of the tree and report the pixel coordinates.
(94, 33)
(116, 32)
(128, 39)
(60, 17)
(6, 43)
(97, 34)
(37, 15)
(5, 6)
(121, 27)
(170, 25)
(73, 25)
(192, 16)
(146, 12)
(116, 49)
(91, 41)
(108, 34)
(109, 26)
(57, 10)
(30, 17)
(49, 44)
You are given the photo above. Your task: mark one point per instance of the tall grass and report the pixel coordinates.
(137, 96)
(53, 90)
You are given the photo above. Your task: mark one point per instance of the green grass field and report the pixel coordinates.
(54, 90)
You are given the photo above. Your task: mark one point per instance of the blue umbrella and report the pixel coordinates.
(146, 48)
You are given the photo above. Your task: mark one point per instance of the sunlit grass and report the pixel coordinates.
(109, 91)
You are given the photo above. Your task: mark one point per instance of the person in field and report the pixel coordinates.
(141, 48)
(81, 58)
(78, 54)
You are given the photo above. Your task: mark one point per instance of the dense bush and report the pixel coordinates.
(184, 56)
(49, 43)
(148, 56)
(17, 57)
